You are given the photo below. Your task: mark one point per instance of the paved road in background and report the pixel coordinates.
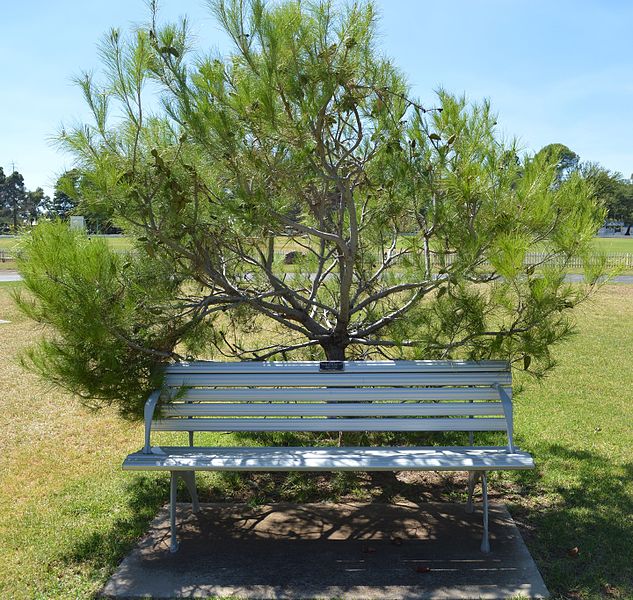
(9, 276)
(575, 278)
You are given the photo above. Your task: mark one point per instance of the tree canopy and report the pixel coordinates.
(409, 222)
(613, 190)
(566, 160)
(19, 207)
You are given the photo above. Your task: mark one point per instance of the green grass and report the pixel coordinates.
(619, 244)
(115, 242)
(68, 514)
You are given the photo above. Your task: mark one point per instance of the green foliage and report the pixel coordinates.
(13, 199)
(566, 160)
(68, 199)
(18, 207)
(304, 136)
(114, 318)
(613, 190)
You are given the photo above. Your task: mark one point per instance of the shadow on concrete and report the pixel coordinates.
(345, 550)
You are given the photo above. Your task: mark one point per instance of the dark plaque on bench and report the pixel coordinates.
(330, 366)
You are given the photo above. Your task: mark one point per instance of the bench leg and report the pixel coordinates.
(173, 546)
(473, 476)
(485, 543)
(189, 477)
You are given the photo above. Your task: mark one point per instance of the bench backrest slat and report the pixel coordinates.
(331, 409)
(317, 424)
(364, 396)
(292, 379)
(376, 366)
(338, 394)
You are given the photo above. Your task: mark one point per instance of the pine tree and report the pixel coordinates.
(306, 138)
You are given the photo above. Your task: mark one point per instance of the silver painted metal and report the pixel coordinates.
(472, 481)
(148, 414)
(318, 424)
(189, 477)
(325, 409)
(507, 409)
(291, 379)
(173, 488)
(485, 542)
(364, 396)
(351, 366)
(349, 394)
(357, 458)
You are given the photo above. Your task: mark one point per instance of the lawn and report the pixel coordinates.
(619, 244)
(115, 242)
(68, 513)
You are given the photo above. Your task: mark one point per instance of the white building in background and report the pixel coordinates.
(612, 228)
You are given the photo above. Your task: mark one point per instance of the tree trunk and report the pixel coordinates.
(335, 350)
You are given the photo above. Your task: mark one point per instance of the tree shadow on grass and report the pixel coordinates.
(103, 549)
(580, 528)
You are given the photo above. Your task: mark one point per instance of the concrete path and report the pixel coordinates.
(350, 551)
(10, 276)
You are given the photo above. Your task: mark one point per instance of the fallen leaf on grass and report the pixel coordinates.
(423, 569)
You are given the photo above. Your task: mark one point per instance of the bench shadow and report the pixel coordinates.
(590, 510)
(325, 550)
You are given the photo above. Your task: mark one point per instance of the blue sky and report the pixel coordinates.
(555, 71)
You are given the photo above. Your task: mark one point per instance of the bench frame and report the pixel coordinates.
(261, 388)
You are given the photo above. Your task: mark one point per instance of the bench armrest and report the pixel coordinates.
(148, 414)
(506, 401)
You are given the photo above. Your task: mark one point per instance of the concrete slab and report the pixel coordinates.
(349, 551)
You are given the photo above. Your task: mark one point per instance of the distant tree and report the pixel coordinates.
(14, 199)
(34, 206)
(3, 211)
(65, 197)
(613, 190)
(69, 198)
(566, 160)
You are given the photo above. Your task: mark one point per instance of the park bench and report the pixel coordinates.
(386, 396)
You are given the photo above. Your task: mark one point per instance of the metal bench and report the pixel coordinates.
(344, 396)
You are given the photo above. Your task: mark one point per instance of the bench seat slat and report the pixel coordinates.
(328, 459)
(381, 366)
(318, 424)
(336, 379)
(323, 409)
(341, 394)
